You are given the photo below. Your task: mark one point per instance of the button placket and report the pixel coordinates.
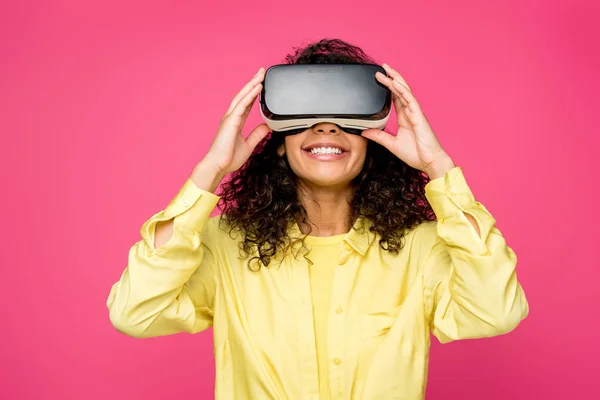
(337, 321)
(306, 334)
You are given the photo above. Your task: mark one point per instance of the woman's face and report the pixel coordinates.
(324, 155)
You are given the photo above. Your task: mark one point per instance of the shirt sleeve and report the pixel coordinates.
(170, 289)
(470, 281)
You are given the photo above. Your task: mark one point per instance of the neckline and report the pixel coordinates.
(325, 240)
(360, 238)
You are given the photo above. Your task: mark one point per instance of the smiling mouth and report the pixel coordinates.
(325, 150)
(326, 153)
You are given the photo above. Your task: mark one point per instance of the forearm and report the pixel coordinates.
(437, 170)
(471, 284)
(205, 177)
(152, 297)
(473, 294)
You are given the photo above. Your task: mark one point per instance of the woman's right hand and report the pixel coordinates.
(229, 150)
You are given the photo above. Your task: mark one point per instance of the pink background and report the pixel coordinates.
(107, 106)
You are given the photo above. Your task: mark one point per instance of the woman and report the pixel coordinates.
(323, 278)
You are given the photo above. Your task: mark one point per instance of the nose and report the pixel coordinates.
(326, 128)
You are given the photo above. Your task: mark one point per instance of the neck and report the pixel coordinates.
(327, 208)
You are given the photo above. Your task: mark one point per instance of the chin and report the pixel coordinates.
(327, 181)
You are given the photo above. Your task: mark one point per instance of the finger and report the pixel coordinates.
(249, 107)
(395, 87)
(242, 108)
(404, 100)
(379, 136)
(399, 99)
(399, 89)
(412, 103)
(388, 82)
(395, 75)
(248, 87)
(403, 120)
(257, 135)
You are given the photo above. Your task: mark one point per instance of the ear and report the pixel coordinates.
(281, 150)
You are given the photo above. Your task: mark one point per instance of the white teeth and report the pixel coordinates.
(326, 150)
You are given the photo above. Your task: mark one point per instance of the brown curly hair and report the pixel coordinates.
(260, 199)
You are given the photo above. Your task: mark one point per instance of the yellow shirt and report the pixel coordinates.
(324, 251)
(446, 280)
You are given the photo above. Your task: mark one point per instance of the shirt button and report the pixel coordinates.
(339, 310)
(337, 361)
(185, 202)
(453, 189)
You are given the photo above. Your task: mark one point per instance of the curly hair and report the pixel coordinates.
(260, 199)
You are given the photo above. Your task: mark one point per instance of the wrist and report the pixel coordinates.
(439, 167)
(207, 176)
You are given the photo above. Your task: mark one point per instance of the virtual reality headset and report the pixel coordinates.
(295, 97)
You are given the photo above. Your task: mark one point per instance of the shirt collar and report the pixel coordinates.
(359, 237)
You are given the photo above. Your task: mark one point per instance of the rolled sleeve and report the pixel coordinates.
(190, 208)
(471, 286)
(450, 198)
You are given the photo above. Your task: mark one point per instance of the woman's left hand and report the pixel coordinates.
(415, 143)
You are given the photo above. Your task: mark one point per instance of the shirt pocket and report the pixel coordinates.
(374, 326)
